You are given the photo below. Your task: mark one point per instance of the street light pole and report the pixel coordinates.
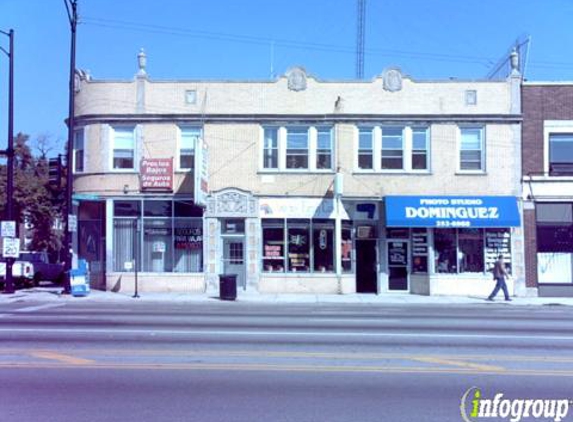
(9, 287)
(71, 7)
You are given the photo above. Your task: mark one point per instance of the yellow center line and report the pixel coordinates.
(451, 362)
(60, 357)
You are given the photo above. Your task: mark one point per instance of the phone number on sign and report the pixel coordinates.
(453, 223)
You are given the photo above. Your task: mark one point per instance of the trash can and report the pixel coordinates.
(227, 286)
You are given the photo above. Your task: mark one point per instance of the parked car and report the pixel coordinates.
(44, 270)
(22, 272)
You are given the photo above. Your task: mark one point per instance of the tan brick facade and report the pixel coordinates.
(232, 116)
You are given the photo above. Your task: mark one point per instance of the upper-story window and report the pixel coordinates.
(187, 144)
(561, 154)
(123, 148)
(271, 148)
(392, 148)
(365, 148)
(324, 148)
(472, 149)
(420, 148)
(79, 149)
(297, 148)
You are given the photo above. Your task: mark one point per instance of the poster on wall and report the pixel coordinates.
(274, 251)
(397, 254)
(419, 250)
(497, 242)
(189, 238)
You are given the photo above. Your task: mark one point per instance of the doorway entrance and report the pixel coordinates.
(397, 265)
(234, 259)
(366, 266)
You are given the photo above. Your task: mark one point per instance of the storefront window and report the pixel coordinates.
(555, 243)
(188, 245)
(298, 245)
(445, 250)
(157, 248)
(169, 238)
(470, 251)
(419, 250)
(124, 232)
(309, 245)
(323, 243)
(346, 247)
(273, 245)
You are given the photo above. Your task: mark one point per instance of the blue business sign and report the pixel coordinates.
(452, 211)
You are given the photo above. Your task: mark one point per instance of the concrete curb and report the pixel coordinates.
(51, 294)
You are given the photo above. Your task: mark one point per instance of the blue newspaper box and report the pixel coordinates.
(79, 279)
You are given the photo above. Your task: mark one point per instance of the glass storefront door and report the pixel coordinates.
(397, 265)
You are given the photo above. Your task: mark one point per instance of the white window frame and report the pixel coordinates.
(483, 163)
(81, 134)
(403, 149)
(410, 145)
(112, 149)
(181, 129)
(553, 127)
(264, 148)
(282, 133)
(357, 148)
(407, 148)
(315, 149)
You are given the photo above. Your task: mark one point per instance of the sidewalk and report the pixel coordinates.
(52, 294)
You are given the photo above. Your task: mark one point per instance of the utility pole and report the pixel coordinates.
(9, 287)
(72, 9)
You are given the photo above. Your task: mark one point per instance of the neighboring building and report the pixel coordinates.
(548, 186)
(300, 185)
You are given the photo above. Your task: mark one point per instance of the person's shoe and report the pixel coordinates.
(490, 299)
(508, 300)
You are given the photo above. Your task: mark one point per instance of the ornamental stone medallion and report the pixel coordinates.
(392, 80)
(231, 203)
(296, 78)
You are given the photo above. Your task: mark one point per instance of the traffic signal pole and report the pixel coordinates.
(71, 7)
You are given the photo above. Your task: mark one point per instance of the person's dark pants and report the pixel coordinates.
(500, 285)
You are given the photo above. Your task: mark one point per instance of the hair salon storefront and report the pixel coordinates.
(447, 245)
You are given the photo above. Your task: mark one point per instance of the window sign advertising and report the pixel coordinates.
(188, 238)
(397, 254)
(452, 211)
(300, 208)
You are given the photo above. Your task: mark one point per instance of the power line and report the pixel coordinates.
(304, 45)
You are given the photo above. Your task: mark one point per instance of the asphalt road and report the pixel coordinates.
(226, 361)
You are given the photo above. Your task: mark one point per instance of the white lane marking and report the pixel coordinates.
(283, 333)
(38, 307)
(376, 321)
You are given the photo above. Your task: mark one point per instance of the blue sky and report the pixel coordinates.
(249, 39)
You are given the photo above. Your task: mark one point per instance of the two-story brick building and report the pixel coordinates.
(298, 184)
(548, 186)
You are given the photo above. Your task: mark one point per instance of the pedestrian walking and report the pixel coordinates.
(499, 275)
